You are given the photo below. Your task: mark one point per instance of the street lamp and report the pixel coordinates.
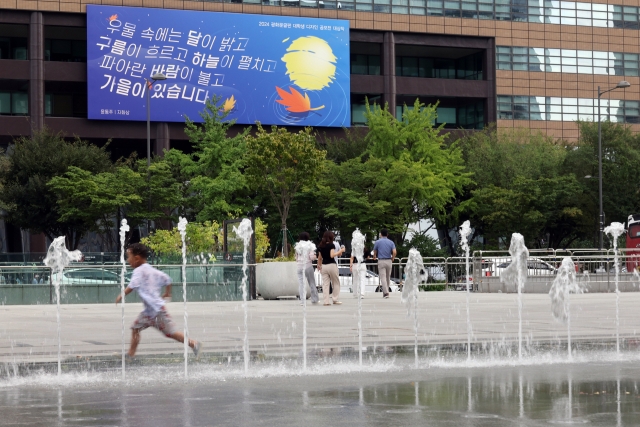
(154, 78)
(621, 85)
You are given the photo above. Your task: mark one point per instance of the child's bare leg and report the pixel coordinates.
(179, 336)
(135, 340)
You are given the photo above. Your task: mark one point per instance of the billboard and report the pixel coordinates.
(278, 70)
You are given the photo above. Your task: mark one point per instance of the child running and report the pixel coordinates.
(148, 282)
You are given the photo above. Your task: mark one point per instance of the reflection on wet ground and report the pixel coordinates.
(600, 393)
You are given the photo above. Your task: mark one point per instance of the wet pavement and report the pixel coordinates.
(28, 333)
(599, 393)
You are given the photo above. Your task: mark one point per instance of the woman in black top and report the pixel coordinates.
(328, 267)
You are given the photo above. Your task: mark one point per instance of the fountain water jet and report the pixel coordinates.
(244, 231)
(58, 257)
(410, 291)
(564, 284)
(124, 227)
(304, 248)
(357, 246)
(182, 228)
(616, 230)
(516, 273)
(465, 232)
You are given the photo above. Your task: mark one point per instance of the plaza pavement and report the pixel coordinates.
(28, 333)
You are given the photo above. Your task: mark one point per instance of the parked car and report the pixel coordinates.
(535, 267)
(372, 281)
(89, 276)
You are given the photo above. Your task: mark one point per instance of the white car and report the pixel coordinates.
(372, 281)
(88, 276)
(535, 267)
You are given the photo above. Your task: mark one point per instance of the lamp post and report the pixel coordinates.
(154, 78)
(621, 85)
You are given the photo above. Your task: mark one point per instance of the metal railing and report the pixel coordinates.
(83, 283)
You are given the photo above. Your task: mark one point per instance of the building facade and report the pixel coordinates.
(519, 63)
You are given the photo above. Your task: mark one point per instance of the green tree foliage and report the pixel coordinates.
(32, 161)
(99, 201)
(205, 238)
(425, 244)
(620, 172)
(201, 238)
(93, 199)
(405, 174)
(159, 191)
(520, 186)
(281, 163)
(211, 179)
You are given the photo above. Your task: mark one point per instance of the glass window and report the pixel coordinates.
(446, 115)
(359, 64)
(357, 114)
(20, 103)
(374, 65)
(5, 103)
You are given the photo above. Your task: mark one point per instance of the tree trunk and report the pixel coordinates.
(285, 241)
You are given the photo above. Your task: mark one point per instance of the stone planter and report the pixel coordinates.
(278, 279)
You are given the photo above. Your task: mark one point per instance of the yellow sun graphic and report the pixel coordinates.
(310, 63)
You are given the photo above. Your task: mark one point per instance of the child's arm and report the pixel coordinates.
(167, 291)
(127, 291)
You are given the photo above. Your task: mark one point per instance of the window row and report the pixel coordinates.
(466, 68)
(365, 64)
(541, 11)
(14, 103)
(451, 113)
(567, 109)
(567, 61)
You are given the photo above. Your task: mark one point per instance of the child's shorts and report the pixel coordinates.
(162, 322)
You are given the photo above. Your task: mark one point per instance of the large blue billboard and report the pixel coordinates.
(277, 70)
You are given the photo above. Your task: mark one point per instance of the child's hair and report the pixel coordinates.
(139, 249)
(303, 236)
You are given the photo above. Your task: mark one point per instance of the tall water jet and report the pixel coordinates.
(304, 248)
(516, 273)
(244, 231)
(182, 228)
(564, 284)
(413, 275)
(465, 232)
(124, 228)
(357, 247)
(58, 257)
(616, 230)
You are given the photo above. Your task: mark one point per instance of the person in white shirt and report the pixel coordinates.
(148, 282)
(305, 255)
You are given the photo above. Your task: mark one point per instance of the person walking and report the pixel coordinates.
(329, 268)
(385, 252)
(148, 282)
(305, 267)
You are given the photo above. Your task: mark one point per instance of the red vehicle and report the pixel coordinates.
(633, 242)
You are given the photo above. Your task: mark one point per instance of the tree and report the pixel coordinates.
(92, 200)
(160, 196)
(212, 183)
(520, 186)
(32, 162)
(205, 238)
(202, 238)
(281, 163)
(620, 173)
(406, 173)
